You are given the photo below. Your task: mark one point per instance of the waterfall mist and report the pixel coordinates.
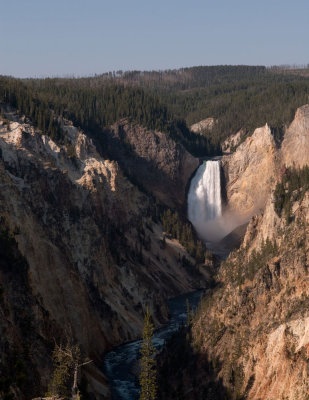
(205, 204)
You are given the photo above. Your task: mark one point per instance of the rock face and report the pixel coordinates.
(25, 327)
(155, 161)
(253, 169)
(295, 146)
(233, 141)
(205, 124)
(258, 324)
(250, 172)
(263, 227)
(94, 254)
(258, 321)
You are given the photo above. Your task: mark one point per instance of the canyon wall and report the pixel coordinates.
(249, 338)
(95, 256)
(250, 172)
(255, 328)
(257, 164)
(155, 161)
(295, 146)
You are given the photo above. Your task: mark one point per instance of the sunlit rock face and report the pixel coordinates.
(259, 325)
(295, 146)
(257, 164)
(246, 181)
(250, 172)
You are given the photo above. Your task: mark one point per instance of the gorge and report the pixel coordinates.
(121, 364)
(109, 204)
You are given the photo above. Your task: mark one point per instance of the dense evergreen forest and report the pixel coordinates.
(236, 96)
(95, 108)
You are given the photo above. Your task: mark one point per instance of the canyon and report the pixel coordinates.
(82, 239)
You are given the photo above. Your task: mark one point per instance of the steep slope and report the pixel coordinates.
(233, 141)
(26, 331)
(295, 146)
(153, 160)
(94, 253)
(250, 172)
(257, 323)
(256, 330)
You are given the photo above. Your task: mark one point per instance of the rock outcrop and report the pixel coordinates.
(295, 146)
(230, 144)
(250, 335)
(254, 168)
(250, 172)
(204, 125)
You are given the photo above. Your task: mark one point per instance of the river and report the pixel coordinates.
(120, 362)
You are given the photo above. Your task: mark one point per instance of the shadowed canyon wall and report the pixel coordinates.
(94, 252)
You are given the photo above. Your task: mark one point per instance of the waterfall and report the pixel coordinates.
(204, 198)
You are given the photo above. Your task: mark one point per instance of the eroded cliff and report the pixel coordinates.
(295, 146)
(250, 172)
(153, 160)
(256, 329)
(256, 165)
(94, 252)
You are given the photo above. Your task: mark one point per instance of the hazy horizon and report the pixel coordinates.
(75, 76)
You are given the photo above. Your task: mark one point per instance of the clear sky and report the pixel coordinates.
(75, 37)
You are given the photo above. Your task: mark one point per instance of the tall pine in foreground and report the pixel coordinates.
(147, 379)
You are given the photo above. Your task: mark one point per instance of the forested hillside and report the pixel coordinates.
(95, 108)
(236, 96)
(169, 101)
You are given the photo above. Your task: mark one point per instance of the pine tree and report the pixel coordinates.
(147, 377)
(67, 363)
(62, 375)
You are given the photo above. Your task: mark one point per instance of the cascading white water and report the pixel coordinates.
(204, 198)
